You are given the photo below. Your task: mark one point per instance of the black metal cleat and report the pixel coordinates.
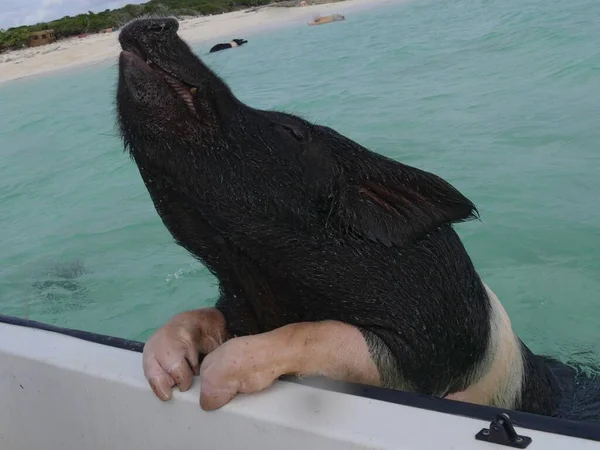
(503, 432)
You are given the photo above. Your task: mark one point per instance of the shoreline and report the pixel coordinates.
(97, 48)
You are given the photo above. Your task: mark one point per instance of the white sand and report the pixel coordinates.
(73, 52)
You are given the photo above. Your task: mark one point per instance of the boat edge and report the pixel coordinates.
(571, 428)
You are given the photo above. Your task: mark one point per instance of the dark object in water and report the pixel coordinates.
(56, 287)
(226, 45)
(63, 284)
(301, 224)
(60, 275)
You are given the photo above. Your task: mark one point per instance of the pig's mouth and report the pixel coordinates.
(184, 91)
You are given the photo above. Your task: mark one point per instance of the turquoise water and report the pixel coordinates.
(500, 98)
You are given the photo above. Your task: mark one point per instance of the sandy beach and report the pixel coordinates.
(95, 48)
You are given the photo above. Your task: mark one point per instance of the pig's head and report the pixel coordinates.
(239, 168)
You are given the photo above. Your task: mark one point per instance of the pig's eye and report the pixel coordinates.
(297, 134)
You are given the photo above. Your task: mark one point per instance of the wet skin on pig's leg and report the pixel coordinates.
(171, 355)
(250, 364)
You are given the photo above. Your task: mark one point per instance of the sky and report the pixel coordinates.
(29, 12)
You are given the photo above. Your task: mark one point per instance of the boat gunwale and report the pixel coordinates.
(553, 425)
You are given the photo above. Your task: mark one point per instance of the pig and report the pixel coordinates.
(225, 45)
(332, 260)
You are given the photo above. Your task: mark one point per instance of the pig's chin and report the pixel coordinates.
(146, 67)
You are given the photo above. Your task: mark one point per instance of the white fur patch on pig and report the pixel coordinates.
(498, 380)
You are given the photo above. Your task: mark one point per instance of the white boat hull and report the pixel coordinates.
(59, 392)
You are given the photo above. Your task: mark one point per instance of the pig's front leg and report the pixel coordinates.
(171, 355)
(252, 363)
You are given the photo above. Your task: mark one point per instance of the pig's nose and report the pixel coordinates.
(159, 25)
(137, 29)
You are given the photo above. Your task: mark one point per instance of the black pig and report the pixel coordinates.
(329, 257)
(225, 45)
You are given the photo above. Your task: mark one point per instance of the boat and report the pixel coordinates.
(71, 389)
(320, 20)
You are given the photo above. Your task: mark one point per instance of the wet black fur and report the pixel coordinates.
(299, 223)
(226, 45)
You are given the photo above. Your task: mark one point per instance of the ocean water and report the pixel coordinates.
(501, 98)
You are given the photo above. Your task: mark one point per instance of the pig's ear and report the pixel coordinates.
(401, 207)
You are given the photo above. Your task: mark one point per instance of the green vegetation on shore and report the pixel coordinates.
(94, 22)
